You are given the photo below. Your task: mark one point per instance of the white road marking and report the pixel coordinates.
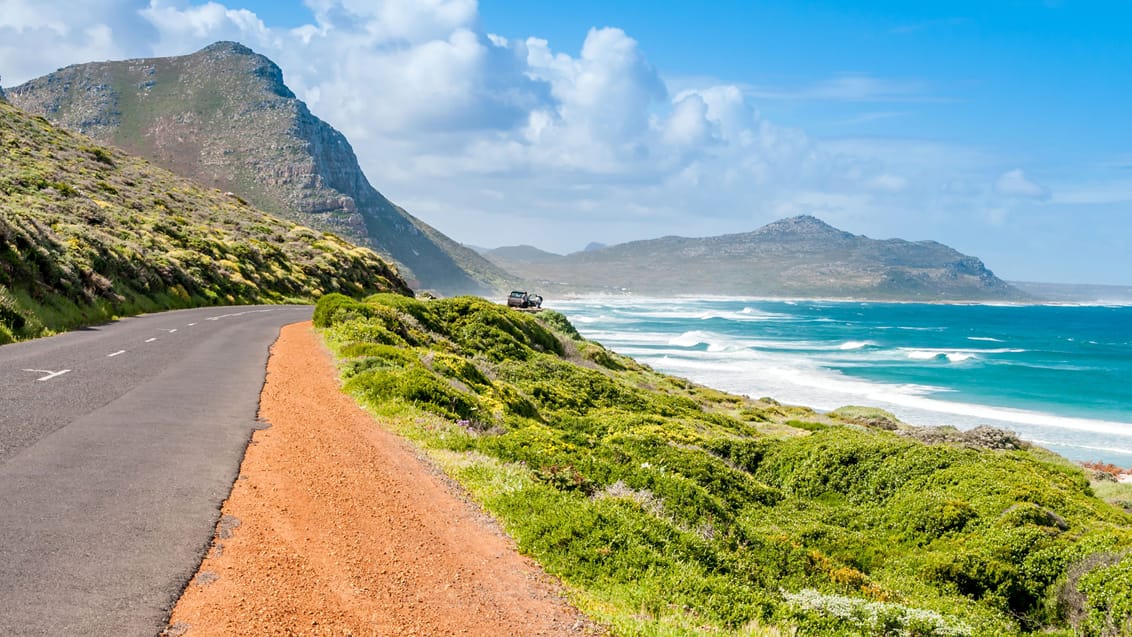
(191, 324)
(150, 340)
(121, 351)
(217, 318)
(50, 374)
(170, 330)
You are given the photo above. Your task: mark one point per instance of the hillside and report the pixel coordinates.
(521, 254)
(674, 509)
(224, 117)
(796, 257)
(88, 233)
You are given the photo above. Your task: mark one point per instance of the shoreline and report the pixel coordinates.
(825, 388)
(581, 296)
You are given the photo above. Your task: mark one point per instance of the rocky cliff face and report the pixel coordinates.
(223, 116)
(799, 257)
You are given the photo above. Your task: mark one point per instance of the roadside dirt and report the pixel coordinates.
(336, 527)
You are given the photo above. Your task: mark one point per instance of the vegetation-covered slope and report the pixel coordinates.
(796, 257)
(224, 117)
(673, 509)
(88, 233)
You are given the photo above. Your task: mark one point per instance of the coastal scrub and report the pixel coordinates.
(674, 509)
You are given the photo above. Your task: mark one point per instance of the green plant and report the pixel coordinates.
(676, 509)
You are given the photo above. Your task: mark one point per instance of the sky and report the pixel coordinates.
(1002, 128)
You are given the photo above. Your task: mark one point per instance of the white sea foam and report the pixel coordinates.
(958, 357)
(689, 339)
(826, 389)
(919, 355)
(921, 352)
(908, 328)
(1061, 443)
(798, 371)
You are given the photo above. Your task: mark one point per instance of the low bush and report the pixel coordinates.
(675, 509)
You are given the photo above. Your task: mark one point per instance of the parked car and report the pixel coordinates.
(523, 300)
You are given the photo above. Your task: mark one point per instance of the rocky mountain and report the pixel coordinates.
(796, 257)
(88, 233)
(224, 117)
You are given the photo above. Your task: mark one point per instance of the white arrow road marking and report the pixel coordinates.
(150, 340)
(121, 351)
(50, 374)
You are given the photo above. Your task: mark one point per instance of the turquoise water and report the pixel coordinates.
(1060, 376)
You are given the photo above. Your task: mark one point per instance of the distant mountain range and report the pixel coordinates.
(796, 257)
(224, 117)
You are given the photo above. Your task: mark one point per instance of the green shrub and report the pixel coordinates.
(671, 510)
(559, 323)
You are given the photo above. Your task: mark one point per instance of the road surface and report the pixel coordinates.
(118, 445)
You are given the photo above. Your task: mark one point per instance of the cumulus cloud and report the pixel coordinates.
(498, 140)
(1014, 183)
(38, 37)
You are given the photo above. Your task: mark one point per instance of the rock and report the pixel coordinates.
(223, 116)
(981, 437)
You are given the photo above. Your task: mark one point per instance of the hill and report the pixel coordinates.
(796, 257)
(521, 254)
(673, 509)
(1077, 292)
(88, 233)
(224, 117)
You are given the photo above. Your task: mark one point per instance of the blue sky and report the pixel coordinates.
(1000, 128)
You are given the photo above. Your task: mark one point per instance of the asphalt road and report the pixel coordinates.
(118, 445)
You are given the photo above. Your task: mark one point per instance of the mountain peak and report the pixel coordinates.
(217, 58)
(227, 46)
(800, 225)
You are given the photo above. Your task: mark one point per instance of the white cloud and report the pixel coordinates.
(182, 30)
(1117, 191)
(1014, 183)
(513, 140)
(851, 87)
(38, 37)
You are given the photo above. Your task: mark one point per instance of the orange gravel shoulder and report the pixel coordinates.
(336, 527)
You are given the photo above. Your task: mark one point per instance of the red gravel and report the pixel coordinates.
(336, 527)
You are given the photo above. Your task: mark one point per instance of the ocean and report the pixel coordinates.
(1060, 376)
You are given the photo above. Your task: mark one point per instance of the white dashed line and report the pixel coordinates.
(50, 374)
(191, 324)
(150, 340)
(217, 318)
(117, 353)
(171, 330)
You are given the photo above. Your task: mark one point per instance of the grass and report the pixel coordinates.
(673, 509)
(88, 233)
